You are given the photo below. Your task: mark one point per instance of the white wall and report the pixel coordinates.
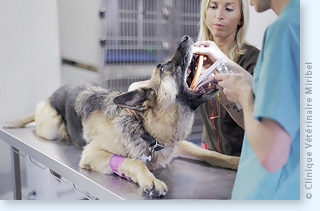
(79, 26)
(29, 62)
(258, 24)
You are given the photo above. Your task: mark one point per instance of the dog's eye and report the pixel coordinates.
(161, 68)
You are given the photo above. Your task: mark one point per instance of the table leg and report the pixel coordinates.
(15, 157)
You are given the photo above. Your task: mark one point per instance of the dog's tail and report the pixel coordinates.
(20, 122)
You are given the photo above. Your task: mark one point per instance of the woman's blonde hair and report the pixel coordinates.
(237, 47)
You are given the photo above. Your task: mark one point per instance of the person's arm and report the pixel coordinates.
(138, 84)
(232, 109)
(270, 142)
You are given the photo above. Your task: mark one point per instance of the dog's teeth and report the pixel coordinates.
(210, 84)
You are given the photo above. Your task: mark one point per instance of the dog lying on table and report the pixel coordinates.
(135, 132)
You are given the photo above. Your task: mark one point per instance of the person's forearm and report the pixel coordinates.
(253, 130)
(269, 141)
(233, 110)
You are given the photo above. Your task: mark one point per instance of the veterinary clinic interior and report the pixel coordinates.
(47, 44)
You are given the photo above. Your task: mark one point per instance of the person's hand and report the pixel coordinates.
(138, 84)
(236, 86)
(210, 50)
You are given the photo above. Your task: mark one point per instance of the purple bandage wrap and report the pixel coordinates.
(115, 163)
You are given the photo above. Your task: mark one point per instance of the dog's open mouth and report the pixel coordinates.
(207, 86)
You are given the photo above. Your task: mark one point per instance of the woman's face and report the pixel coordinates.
(223, 18)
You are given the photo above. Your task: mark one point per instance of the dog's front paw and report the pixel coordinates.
(154, 187)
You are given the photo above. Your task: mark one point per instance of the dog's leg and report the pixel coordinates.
(139, 173)
(19, 122)
(190, 150)
(49, 123)
(97, 159)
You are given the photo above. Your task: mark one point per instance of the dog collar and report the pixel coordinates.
(154, 145)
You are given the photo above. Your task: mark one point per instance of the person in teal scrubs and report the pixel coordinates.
(269, 165)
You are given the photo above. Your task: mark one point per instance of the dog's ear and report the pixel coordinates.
(139, 99)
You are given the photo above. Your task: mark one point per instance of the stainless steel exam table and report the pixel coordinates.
(185, 178)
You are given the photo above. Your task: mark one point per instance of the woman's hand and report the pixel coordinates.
(211, 50)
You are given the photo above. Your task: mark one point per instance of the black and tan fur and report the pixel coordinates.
(103, 122)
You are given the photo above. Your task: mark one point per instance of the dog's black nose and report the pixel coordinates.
(185, 38)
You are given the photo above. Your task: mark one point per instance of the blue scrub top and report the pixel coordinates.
(277, 96)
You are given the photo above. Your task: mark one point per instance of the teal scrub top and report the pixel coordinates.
(277, 96)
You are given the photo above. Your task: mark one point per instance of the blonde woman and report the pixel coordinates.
(225, 22)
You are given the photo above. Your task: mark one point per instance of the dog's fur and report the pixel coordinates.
(106, 122)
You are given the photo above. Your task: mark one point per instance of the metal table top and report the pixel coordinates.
(185, 178)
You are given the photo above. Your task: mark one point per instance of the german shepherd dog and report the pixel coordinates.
(116, 130)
